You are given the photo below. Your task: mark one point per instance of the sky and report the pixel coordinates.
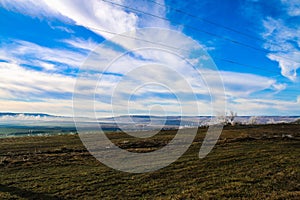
(46, 44)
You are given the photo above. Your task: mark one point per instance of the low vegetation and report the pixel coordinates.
(249, 162)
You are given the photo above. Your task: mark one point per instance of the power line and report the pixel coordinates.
(245, 65)
(212, 23)
(200, 30)
(175, 48)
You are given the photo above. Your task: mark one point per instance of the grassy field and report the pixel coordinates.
(249, 162)
(34, 131)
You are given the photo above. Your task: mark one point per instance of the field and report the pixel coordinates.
(249, 162)
(8, 131)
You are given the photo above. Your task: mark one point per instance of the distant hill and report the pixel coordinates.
(296, 122)
(144, 120)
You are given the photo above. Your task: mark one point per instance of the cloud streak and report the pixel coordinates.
(283, 40)
(96, 15)
(20, 83)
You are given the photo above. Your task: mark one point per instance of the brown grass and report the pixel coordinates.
(249, 162)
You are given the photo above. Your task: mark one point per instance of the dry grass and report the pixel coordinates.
(256, 162)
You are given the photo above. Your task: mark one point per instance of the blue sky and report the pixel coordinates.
(44, 43)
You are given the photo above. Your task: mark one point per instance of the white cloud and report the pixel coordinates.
(33, 118)
(277, 34)
(80, 43)
(236, 84)
(288, 67)
(23, 52)
(151, 8)
(95, 14)
(51, 106)
(283, 41)
(279, 86)
(29, 7)
(246, 106)
(292, 6)
(18, 82)
(61, 28)
(39, 84)
(243, 84)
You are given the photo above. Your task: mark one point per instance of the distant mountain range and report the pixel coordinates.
(136, 121)
(19, 124)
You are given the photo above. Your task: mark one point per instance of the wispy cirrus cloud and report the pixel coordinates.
(244, 84)
(256, 106)
(80, 43)
(292, 6)
(37, 87)
(49, 59)
(96, 15)
(18, 82)
(282, 37)
(31, 8)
